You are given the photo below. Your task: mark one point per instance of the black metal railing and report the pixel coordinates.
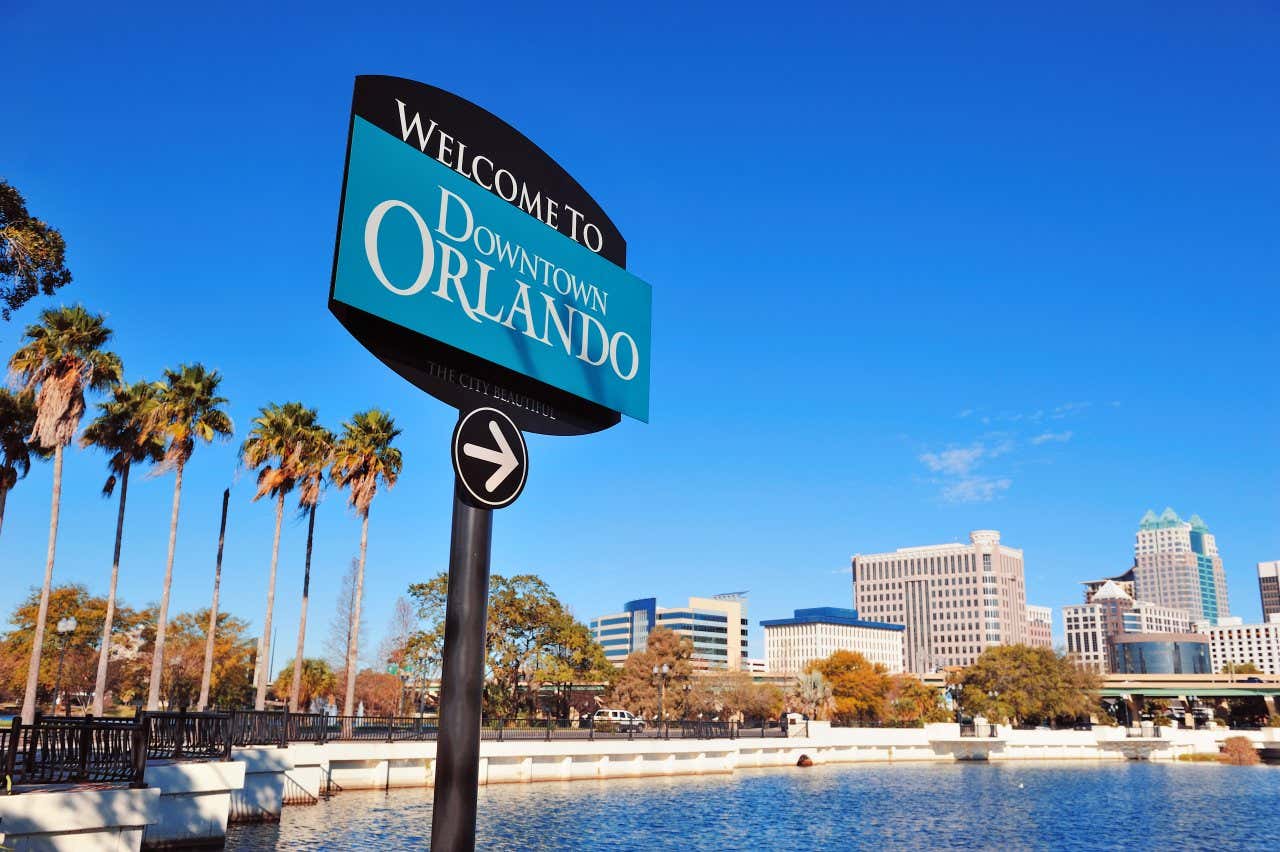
(187, 736)
(972, 729)
(57, 750)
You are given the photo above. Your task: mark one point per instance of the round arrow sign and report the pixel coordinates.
(490, 457)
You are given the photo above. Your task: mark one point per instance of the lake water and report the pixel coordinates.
(1132, 805)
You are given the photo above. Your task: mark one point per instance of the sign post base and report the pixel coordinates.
(453, 815)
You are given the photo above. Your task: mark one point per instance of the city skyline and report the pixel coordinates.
(1082, 248)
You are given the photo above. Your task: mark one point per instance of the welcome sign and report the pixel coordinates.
(471, 263)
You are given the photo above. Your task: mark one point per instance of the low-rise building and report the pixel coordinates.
(813, 634)
(1232, 642)
(1161, 653)
(717, 627)
(1111, 612)
(1039, 626)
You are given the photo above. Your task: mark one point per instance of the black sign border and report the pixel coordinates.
(385, 340)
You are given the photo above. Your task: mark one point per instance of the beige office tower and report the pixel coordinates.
(954, 600)
(1176, 564)
(1269, 588)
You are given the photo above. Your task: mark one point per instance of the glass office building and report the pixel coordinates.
(1160, 653)
(717, 627)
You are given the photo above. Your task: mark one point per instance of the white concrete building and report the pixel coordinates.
(1233, 641)
(790, 644)
(1091, 628)
(954, 600)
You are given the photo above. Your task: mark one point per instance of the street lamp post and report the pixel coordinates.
(66, 627)
(688, 687)
(660, 673)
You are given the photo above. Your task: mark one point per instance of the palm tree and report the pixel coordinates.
(63, 356)
(361, 457)
(277, 437)
(17, 417)
(315, 452)
(186, 408)
(120, 430)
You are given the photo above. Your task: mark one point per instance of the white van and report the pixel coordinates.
(616, 720)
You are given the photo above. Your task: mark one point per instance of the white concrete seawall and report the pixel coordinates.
(188, 805)
(315, 770)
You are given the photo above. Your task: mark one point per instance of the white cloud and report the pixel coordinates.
(1069, 408)
(954, 462)
(1055, 437)
(975, 489)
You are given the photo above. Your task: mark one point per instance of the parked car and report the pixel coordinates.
(616, 720)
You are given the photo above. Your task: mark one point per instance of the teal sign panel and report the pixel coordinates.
(429, 250)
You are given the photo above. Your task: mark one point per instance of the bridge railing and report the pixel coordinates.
(57, 750)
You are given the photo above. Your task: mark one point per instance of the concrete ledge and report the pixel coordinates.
(195, 803)
(262, 796)
(78, 820)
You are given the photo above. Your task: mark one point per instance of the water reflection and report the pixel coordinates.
(935, 806)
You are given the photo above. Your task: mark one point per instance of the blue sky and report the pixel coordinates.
(915, 273)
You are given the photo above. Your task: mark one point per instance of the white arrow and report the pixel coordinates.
(502, 457)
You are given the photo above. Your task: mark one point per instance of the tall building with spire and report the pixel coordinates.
(1176, 564)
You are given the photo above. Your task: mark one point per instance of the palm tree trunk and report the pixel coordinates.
(296, 689)
(4, 498)
(206, 676)
(348, 708)
(104, 651)
(264, 656)
(37, 638)
(157, 658)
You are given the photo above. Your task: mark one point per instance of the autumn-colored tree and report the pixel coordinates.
(731, 697)
(81, 646)
(231, 684)
(317, 681)
(636, 689)
(1248, 668)
(32, 254)
(1021, 683)
(858, 687)
(379, 692)
(912, 702)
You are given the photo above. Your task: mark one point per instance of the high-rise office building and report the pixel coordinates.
(1110, 612)
(1269, 588)
(1176, 564)
(717, 626)
(790, 644)
(954, 600)
(1039, 626)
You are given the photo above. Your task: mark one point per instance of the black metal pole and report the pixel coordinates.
(453, 820)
